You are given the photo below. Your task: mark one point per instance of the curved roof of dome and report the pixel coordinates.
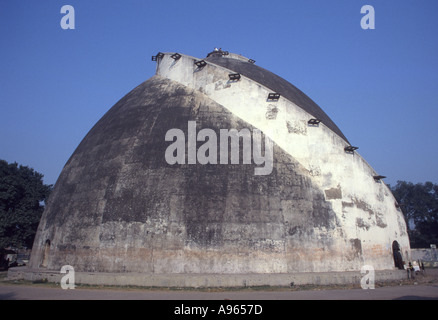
(276, 84)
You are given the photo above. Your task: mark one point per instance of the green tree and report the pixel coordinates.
(419, 203)
(22, 196)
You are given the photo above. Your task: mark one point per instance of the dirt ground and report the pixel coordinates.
(424, 286)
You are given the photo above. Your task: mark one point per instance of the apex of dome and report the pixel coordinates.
(219, 53)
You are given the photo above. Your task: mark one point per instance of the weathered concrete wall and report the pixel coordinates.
(207, 280)
(118, 206)
(427, 255)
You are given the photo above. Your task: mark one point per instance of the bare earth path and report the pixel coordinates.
(422, 288)
(25, 292)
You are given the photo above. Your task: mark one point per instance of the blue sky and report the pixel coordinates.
(379, 86)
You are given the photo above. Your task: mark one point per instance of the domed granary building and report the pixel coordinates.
(217, 172)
